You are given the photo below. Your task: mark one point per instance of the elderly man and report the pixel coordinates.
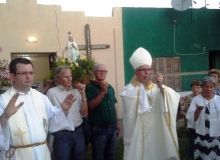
(102, 115)
(149, 115)
(24, 115)
(68, 135)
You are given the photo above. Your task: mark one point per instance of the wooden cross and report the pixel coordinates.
(88, 47)
(20, 133)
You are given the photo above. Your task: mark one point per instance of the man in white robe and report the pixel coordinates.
(149, 114)
(24, 115)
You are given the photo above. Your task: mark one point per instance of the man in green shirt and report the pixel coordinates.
(102, 115)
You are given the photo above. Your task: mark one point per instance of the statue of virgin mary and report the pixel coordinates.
(72, 48)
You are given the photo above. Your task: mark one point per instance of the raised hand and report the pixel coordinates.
(68, 102)
(198, 111)
(199, 107)
(159, 78)
(81, 88)
(10, 109)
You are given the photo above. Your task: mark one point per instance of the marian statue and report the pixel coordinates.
(72, 49)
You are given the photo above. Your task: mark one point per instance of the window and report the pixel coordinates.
(170, 68)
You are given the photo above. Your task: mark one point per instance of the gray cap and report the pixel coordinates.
(208, 79)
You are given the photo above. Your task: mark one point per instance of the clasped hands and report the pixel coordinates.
(104, 86)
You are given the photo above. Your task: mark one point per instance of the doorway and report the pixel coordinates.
(214, 59)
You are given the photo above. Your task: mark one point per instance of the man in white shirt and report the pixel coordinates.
(69, 142)
(24, 115)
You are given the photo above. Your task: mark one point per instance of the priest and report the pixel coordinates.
(149, 114)
(24, 116)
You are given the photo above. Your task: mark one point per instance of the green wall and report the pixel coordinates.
(153, 29)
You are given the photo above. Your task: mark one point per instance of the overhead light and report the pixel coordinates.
(32, 39)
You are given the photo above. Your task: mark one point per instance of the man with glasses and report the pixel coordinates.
(149, 114)
(102, 115)
(24, 115)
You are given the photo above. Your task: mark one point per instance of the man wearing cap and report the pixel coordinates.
(149, 114)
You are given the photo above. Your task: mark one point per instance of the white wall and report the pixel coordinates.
(20, 19)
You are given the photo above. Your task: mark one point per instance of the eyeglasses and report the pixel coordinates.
(26, 73)
(101, 71)
(144, 69)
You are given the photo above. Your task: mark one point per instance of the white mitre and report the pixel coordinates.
(140, 57)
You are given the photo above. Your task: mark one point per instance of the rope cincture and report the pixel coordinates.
(7, 153)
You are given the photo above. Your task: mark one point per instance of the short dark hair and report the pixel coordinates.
(196, 83)
(14, 62)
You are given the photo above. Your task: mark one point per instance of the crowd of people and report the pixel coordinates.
(79, 115)
(200, 112)
(74, 115)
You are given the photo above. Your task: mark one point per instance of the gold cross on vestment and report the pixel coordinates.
(20, 133)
